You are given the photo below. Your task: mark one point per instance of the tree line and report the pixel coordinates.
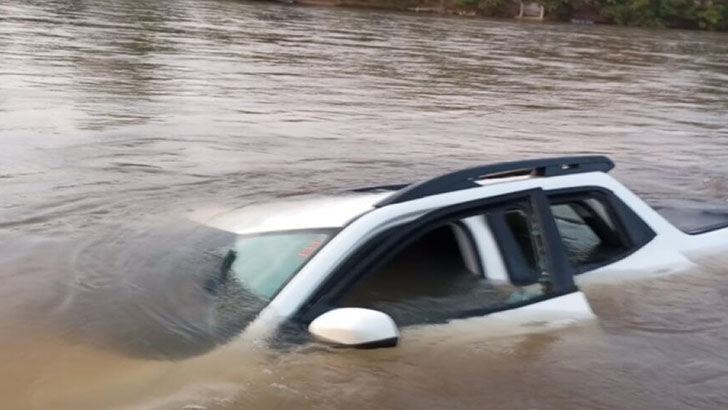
(693, 14)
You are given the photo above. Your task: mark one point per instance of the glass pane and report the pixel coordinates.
(587, 231)
(264, 263)
(525, 228)
(428, 281)
(521, 229)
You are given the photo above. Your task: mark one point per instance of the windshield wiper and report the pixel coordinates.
(227, 263)
(212, 284)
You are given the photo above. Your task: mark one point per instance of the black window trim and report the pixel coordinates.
(637, 232)
(384, 246)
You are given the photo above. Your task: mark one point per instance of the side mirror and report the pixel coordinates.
(355, 327)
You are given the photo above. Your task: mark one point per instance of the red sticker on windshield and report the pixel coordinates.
(308, 250)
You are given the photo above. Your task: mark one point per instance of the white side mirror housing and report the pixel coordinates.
(355, 327)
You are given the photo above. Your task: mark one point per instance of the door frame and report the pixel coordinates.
(382, 247)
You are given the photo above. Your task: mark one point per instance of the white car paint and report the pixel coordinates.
(354, 327)
(306, 213)
(557, 313)
(494, 266)
(666, 252)
(289, 300)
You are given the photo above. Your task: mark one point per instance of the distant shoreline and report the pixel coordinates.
(688, 14)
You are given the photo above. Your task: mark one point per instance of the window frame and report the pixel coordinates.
(513, 256)
(631, 228)
(383, 247)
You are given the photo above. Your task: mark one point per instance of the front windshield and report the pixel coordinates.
(265, 262)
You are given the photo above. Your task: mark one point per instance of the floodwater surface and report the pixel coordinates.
(119, 119)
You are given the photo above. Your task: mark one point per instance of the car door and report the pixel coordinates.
(412, 272)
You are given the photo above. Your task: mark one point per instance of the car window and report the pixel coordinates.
(589, 230)
(429, 281)
(264, 263)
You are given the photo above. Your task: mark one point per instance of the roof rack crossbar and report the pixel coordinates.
(466, 178)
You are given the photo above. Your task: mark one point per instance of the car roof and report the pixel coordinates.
(297, 213)
(474, 177)
(335, 211)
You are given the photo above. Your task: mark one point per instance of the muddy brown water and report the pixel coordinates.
(118, 119)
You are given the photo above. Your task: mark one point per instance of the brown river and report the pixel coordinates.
(120, 118)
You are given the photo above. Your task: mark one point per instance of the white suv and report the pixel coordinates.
(507, 242)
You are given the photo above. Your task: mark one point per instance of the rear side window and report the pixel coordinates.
(590, 230)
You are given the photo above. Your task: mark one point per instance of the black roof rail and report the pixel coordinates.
(466, 178)
(394, 187)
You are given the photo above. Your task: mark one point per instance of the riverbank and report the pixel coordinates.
(684, 14)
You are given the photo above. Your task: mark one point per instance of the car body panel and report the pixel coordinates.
(290, 299)
(553, 314)
(360, 220)
(296, 214)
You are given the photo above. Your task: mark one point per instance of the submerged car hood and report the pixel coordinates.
(300, 213)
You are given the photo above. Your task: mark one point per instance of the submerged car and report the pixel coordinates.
(509, 242)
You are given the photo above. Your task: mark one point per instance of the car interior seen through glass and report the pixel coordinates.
(590, 233)
(429, 282)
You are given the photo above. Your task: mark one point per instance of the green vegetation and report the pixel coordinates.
(697, 14)
(691, 14)
(704, 14)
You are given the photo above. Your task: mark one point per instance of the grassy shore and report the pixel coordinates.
(686, 14)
